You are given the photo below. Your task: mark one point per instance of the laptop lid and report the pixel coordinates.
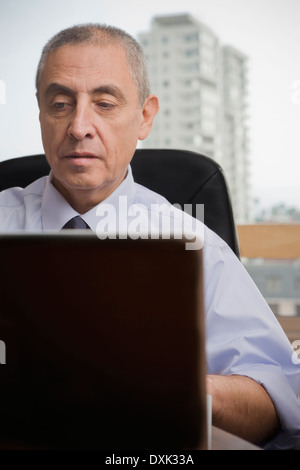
(104, 342)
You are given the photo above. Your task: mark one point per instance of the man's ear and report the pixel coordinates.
(149, 111)
(38, 102)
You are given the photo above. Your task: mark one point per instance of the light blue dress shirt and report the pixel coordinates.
(243, 335)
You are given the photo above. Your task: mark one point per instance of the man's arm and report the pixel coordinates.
(242, 406)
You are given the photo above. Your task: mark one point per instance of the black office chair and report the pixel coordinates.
(182, 177)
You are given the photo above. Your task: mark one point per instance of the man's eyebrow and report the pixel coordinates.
(109, 90)
(102, 89)
(54, 87)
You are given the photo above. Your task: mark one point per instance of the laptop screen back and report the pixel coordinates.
(104, 343)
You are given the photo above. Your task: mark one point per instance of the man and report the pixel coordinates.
(95, 105)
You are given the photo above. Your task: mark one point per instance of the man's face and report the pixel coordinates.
(90, 119)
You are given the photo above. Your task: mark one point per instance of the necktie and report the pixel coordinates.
(76, 223)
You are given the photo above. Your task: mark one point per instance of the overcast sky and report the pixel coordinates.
(266, 30)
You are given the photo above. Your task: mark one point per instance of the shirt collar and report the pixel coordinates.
(56, 211)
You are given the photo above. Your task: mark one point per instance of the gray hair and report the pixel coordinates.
(101, 35)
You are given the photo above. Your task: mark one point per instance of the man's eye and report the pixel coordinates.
(59, 105)
(105, 105)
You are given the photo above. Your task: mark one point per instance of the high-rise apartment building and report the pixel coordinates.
(235, 139)
(202, 91)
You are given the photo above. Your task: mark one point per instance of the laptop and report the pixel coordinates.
(104, 343)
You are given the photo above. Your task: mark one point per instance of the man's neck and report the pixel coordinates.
(84, 199)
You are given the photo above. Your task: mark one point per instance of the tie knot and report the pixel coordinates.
(76, 223)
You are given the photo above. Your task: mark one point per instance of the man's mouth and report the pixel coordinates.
(81, 158)
(80, 155)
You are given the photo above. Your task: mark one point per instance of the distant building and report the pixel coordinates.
(278, 214)
(279, 282)
(202, 88)
(235, 139)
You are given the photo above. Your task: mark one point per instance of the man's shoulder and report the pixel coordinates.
(147, 197)
(20, 206)
(156, 203)
(16, 196)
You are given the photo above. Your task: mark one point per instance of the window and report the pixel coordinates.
(192, 52)
(194, 67)
(191, 37)
(273, 285)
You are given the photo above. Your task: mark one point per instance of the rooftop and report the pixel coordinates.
(174, 20)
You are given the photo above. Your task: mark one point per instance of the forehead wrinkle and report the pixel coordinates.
(74, 78)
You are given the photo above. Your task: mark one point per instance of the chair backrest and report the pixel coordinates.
(182, 177)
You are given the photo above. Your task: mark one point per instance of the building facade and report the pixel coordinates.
(279, 282)
(202, 88)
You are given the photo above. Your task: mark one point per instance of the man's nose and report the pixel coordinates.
(81, 125)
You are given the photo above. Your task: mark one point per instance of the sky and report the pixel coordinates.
(267, 31)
